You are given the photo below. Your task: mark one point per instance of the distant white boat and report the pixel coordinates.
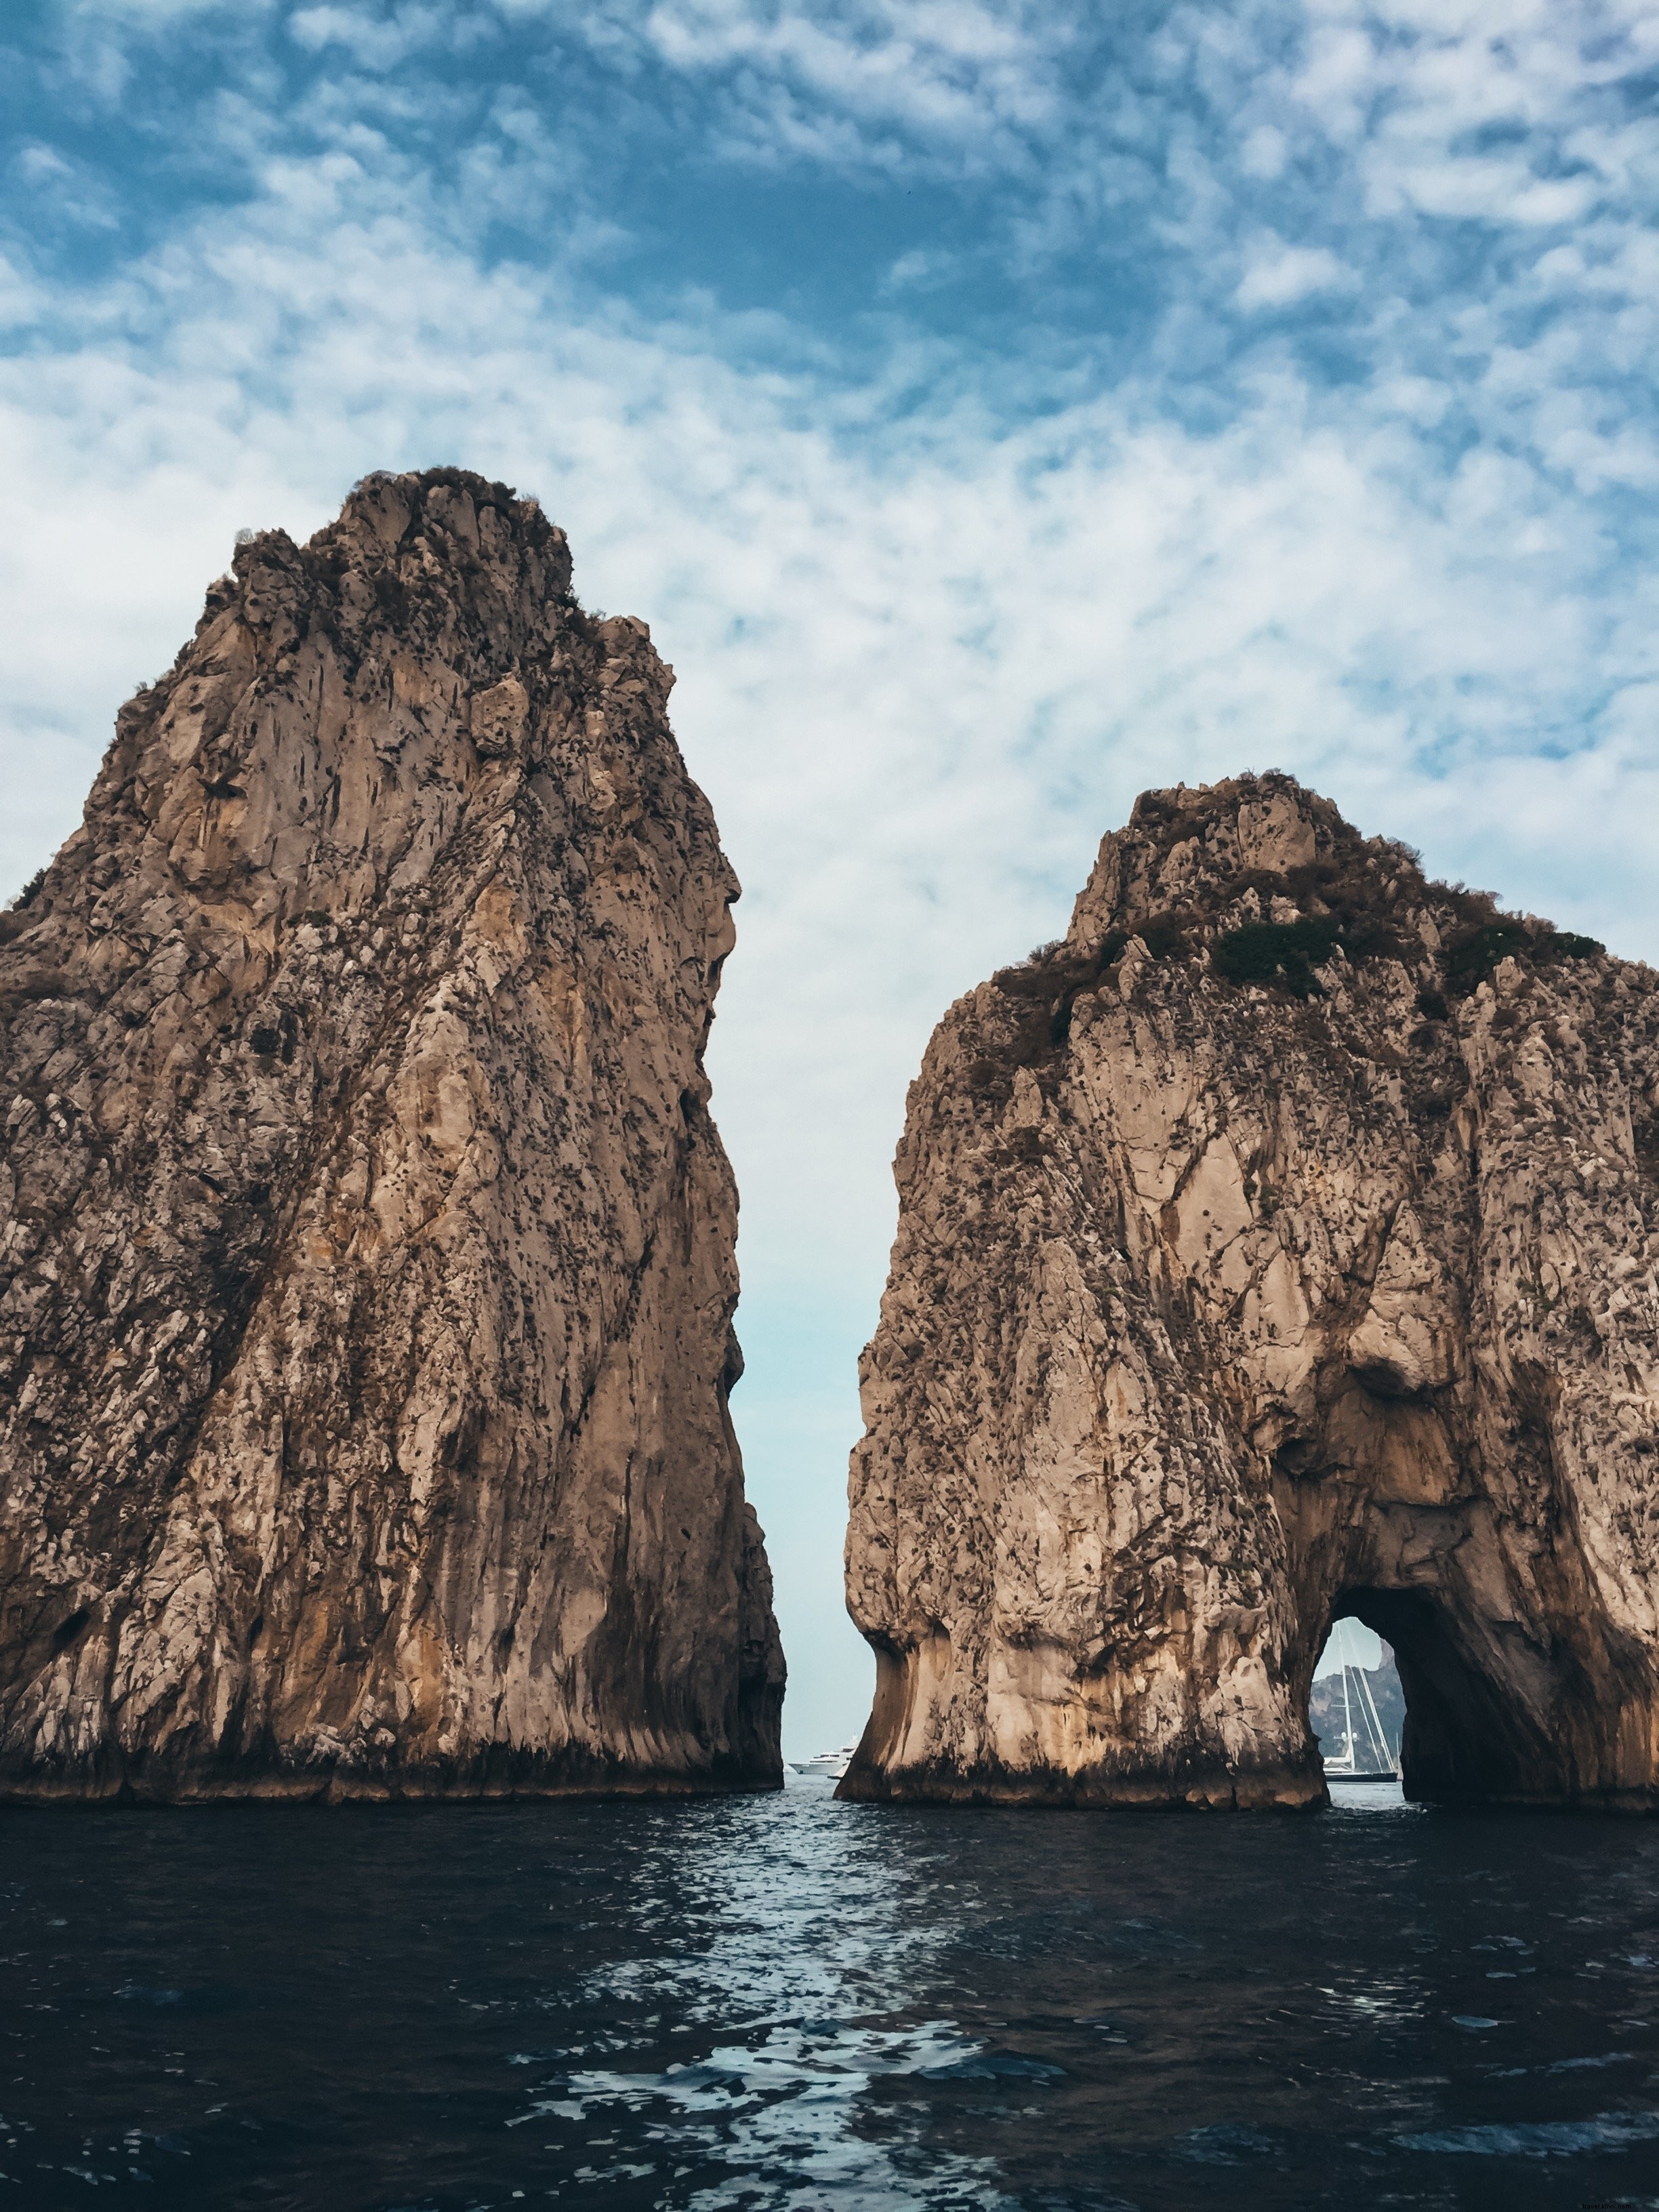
(1360, 1719)
(834, 1764)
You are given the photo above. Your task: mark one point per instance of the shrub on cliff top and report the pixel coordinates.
(1472, 954)
(1282, 953)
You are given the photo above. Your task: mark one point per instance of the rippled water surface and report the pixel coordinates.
(788, 2002)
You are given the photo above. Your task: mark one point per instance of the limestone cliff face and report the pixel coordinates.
(366, 1246)
(1280, 1246)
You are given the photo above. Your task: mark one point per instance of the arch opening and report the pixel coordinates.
(1356, 1708)
(1467, 1732)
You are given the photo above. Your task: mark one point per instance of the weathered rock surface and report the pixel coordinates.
(366, 1246)
(1281, 1245)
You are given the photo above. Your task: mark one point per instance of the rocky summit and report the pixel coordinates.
(1280, 1246)
(366, 1246)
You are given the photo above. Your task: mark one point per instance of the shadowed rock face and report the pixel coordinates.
(1280, 1246)
(366, 1246)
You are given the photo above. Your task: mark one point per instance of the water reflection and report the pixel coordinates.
(775, 1950)
(790, 2003)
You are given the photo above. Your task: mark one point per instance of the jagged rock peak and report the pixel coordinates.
(366, 1245)
(1280, 1244)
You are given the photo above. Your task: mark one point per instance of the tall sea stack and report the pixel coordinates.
(366, 1246)
(1280, 1246)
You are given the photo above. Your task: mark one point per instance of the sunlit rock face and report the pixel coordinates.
(1280, 1245)
(366, 1245)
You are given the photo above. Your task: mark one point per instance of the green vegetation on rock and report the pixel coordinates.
(1472, 955)
(1282, 953)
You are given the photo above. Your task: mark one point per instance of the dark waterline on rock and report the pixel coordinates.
(783, 2002)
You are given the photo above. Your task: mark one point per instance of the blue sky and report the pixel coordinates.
(994, 409)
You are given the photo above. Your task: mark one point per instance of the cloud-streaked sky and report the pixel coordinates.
(994, 407)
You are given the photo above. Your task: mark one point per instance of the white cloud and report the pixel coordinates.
(852, 82)
(914, 271)
(1278, 275)
(1265, 152)
(41, 165)
(21, 300)
(1475, 111)
(375, 41)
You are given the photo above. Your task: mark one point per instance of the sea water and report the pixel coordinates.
(784, 2002)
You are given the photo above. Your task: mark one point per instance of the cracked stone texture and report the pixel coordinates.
(1219, 1310)
(366, 1246)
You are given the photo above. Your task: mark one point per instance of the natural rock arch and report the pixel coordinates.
(1518, 1682)
(1285, 1237)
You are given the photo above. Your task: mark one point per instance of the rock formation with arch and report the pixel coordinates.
(366, 1246)
(1279, 1245)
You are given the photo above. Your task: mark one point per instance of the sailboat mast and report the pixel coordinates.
(1347, 1715)
(1388, 1754)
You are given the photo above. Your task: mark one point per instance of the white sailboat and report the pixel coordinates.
(1359, 1714)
